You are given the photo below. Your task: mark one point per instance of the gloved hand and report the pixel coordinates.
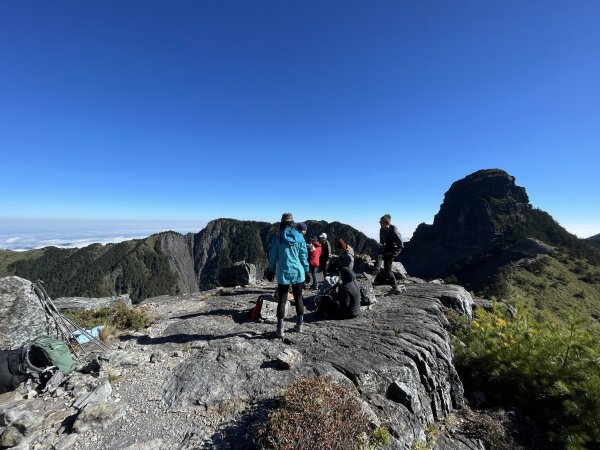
(270, 276)
(306, 277)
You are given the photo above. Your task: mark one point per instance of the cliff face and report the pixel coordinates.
(479, 209)
(482, 218)
(179, 252)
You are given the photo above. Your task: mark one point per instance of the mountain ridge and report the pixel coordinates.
(165, 263)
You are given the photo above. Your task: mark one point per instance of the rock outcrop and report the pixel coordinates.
(398, 357)
(204, 376)
(240, 274)
(479, 228)
(23, 314)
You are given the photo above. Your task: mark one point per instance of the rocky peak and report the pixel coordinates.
(481, 213)
(478, 209)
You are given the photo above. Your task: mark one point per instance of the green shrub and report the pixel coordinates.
(117, 316)
(317, 413)
(548, 368)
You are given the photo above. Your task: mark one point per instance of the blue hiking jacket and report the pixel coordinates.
(288, 252)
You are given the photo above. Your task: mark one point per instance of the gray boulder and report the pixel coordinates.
(91, 304)
(240, 274)
(23, 315)
(399, 272)
(363, 263)
(367, 293)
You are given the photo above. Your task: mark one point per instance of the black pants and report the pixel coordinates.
(282, 292)
(313, 272)
(330, 309)
(387, 268)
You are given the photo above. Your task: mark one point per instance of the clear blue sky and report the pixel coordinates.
(341, 110)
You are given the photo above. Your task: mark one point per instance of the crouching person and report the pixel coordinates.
(343, 302)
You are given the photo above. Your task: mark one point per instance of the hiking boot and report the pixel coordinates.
(280, 333)
(299, 327)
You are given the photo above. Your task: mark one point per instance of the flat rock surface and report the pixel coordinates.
(206, 375)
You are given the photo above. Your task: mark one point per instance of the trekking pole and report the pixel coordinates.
(61, 327)
(73, 324)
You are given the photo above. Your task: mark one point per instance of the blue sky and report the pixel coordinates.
(186, 111)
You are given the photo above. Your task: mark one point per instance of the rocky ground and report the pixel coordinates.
(203, 375)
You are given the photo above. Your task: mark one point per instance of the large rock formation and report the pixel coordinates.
(23, 314)
(398, 356)
(483, 218)
(204, 376)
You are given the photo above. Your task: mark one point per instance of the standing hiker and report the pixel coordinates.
(314, 253)
(289, 254)
(325, 252)
(391, 246)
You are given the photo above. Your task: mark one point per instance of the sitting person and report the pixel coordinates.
(343, 301)
(346, 258)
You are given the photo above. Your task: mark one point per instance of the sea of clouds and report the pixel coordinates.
(29, 234)
(21, 235)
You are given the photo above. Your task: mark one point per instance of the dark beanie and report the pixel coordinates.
(386, 218)
(342, 244)
(287, 217)
(302, 227)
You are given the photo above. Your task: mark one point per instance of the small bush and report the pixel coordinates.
(317, 413)
(117, 316)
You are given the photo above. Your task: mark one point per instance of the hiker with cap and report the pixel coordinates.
(346, 258)
(325, 252)
(344, 301)
(314, 253)
(288, 254)
(390, 247)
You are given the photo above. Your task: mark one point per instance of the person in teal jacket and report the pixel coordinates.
(289, 254)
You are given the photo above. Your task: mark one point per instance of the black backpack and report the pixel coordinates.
(12, 371)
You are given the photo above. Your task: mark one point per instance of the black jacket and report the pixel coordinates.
(348, 294)
(391, 241)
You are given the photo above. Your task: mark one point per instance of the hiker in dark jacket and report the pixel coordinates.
(344, 303)
(325, 252)
(391, 246)
(289, 254)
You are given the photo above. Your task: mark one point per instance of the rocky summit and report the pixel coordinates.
(479, 228)
(205, 376)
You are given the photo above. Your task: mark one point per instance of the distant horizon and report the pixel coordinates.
(31, 234)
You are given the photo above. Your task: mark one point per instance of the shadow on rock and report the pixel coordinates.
(237, 315)
(185, 338)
